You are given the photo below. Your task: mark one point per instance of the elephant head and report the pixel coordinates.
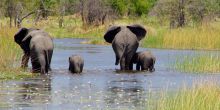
(23, 39)
(20, 35)
(137, 29)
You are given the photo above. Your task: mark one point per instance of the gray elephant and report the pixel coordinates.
(125, 41)
(38, 45)
(144, 60)
(76, 64)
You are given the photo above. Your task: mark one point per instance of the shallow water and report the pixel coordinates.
(100, 86)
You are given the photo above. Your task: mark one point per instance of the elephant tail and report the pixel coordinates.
(47, 61)
(124, 52)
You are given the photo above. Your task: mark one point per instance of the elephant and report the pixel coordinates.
(144, 60)
(37, 45)
(125, 41)
(76, 64)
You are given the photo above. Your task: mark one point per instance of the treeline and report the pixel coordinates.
(96, 12)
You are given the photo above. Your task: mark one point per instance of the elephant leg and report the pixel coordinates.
(116, 60)
(81, 67)
(50, 57)
(151, 69)
(42, 61)
(144, 66)
(138, 66)
(129, 62)
(122, 63)
(36, 66)
(131, 66)
(24, 61)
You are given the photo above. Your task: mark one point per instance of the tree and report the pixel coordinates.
(181, 12)
(93, 12)
(10, 10)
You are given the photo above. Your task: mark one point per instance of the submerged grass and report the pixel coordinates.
(199, 64)
(202, 96)
(9, 54)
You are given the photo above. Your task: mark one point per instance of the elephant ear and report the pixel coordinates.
(20, 35)
(138, 30)
(111, 32)
(29, 34)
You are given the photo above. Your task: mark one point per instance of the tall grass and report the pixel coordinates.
(202, 96)
(205, 37)
(199, 64)
(9, 54)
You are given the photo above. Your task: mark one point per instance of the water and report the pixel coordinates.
(100, 86)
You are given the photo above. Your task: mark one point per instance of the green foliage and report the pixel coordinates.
(120, 6)
(194, 11)
(131, 7)
(143, 6)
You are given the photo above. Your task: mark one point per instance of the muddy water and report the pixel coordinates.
(100, 86)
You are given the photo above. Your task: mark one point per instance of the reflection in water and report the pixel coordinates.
(29, 92)
(126, 96)
(35, 91)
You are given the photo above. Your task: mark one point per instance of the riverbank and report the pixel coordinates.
(10, 55)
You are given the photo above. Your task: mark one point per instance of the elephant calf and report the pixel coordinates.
(144, 60)
(76, 64)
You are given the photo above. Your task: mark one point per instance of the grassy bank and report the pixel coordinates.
(203, 96)
(9, 54)
(199, 64)
(201, 36)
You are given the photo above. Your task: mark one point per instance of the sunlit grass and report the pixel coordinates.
(72, 27)
(10, 52)
(202, 96)
(202, 37)
(199, 64)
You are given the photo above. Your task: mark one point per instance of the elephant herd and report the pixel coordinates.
(38, 46)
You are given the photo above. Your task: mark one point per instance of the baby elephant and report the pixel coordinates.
(76, 64)
(144, 60)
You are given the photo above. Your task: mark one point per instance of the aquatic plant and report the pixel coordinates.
(204, 95)
(198, 64)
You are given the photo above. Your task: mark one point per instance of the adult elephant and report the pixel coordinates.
(125, 41)
(38, 45)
